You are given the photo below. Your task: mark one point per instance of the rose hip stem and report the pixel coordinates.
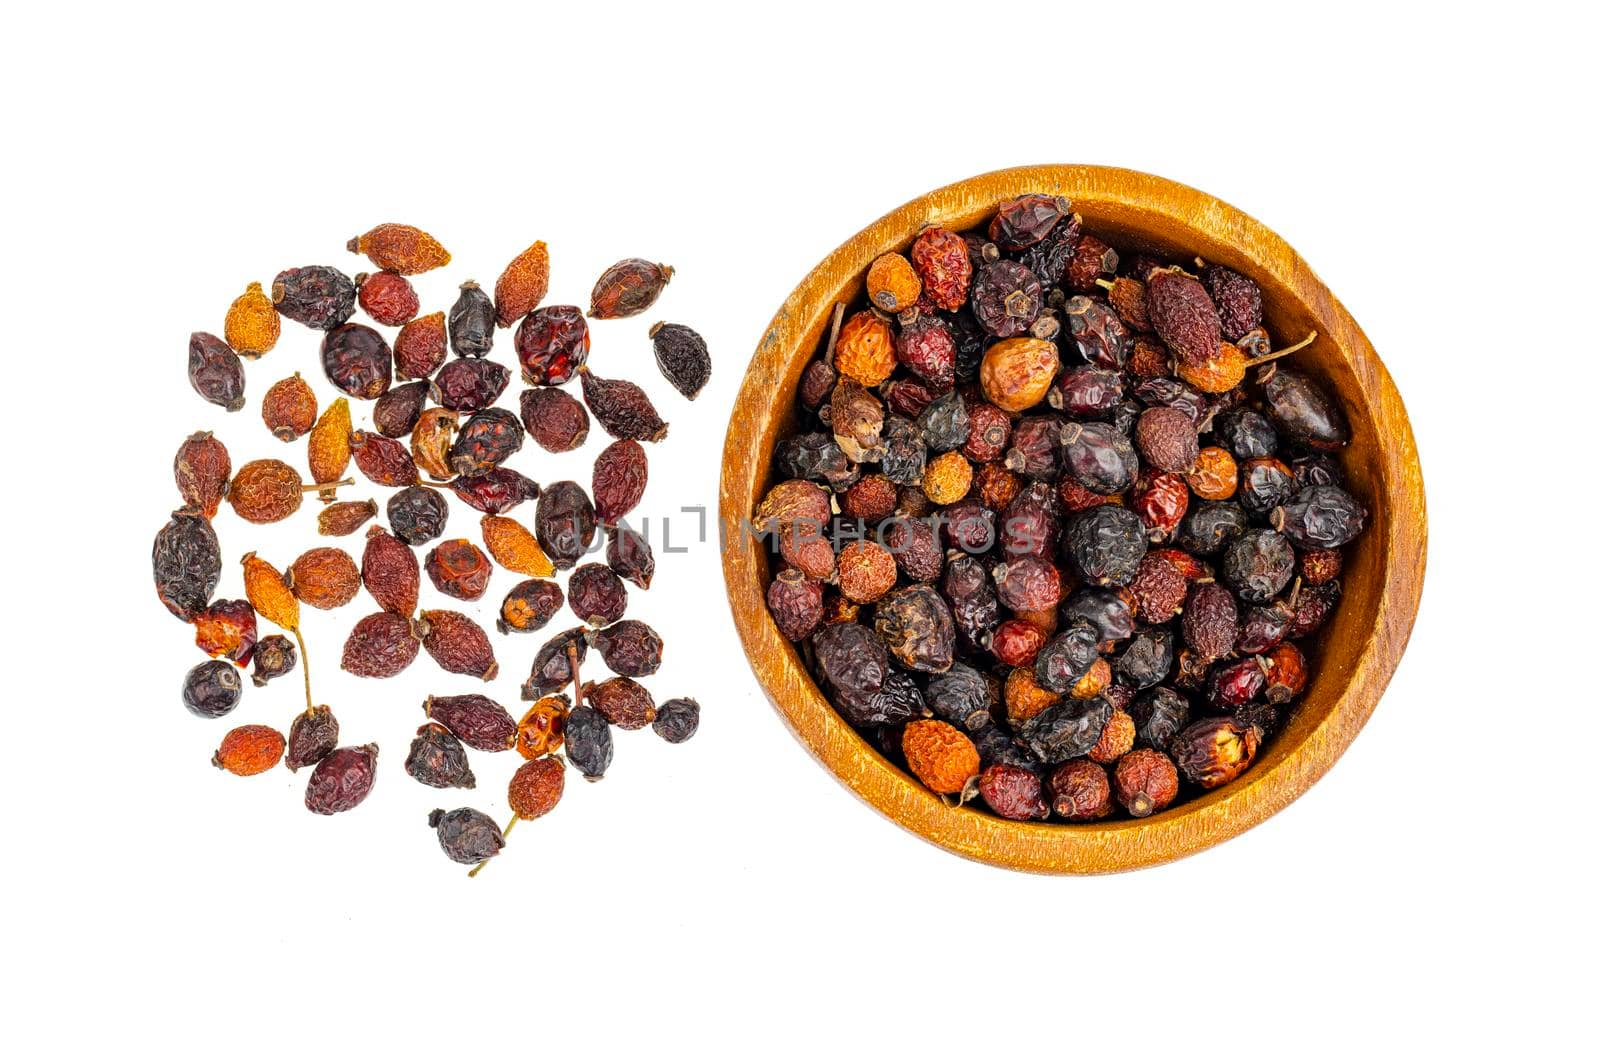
(305, 665)
(1286, 351)
(833, 333)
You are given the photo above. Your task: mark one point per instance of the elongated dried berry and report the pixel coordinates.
(620, 474)
(630, 555)
(459, 568)
(1064, 660)
(1210, 621)
(495, 492)
(387, 297)
(1183, 315)
(215, 371)
(589, 746)
(390, 572)
(249, 750)
(529, 606)
(536, 787)
(622, 408)
(318, 296)
(1237, 298)
(468, 384)
(514, 547)
(289, 408)
(564, 523)
(342, 780)
(523, 285)
(274, 656)
(1302, 410)
(682, 356)
(630, 647)
(252, 325)
(622, 701)
(458, 644)
(380, 646)
(200, 469)
(438, 759)
(940, 755)
(628, 288)
(383, 460)
(552, 344)
(345, 517)
(187, 563)
(467, 836)
(212, 688)
(472, 321)
(418, 514)
(1099, 334)
(312, 737)
(356, 359)
(916, 626)
(555, 420)
(552, 664)
(940, 258)
(400, 248)
(328, 447)
(431, 439)
(397, 412)
(487, 439)
(419, 349)
(476, 720)
(1069, 729)
(1321, 517)
(677, 720)
(1021, 222)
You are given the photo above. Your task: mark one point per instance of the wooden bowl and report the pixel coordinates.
(1357, 651)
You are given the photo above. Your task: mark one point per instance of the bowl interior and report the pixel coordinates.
(1353, 654)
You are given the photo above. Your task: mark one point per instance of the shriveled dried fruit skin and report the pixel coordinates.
(1070, 729)
(269, 593)
(249, 750)
(552, 664)
(677, 720)
(472, 321)
(554, 419)
(459, 568)
(356, 359)
(1016, 373)
(622, 408)
(495, 492)
(1210, 621)
(467, 836)
(1021, 222)
(1092, 259)
(622, 701)
(589, 746)
(312, 737)
(867, 571)
(682, 356)
(564, 523)
(400, 248)
(630, 555)
(630, 647)
(917, 628)
(628, 288)
(187, 563)
(274, 656)
(529, 606)
(252, 325)
(1080, 791)
(227, 629)
(419, 349)
(1105, 545)
(342, 780)
(200, 469)
(940, 258)
(621, 472)
(397, 412)
(1321, 517)
(215, 371)
(390, 572)
(1167, 440)
(552, 344)
(514, 547)
(940, 755)
(543, 729)
(468, 384)
(212, 688)
(265, 491)
(289, 408)
(1302, 410)
(328, 448)
(1214, 751)
(1013, 793)
(1183, 315)
(489, 438)
(795, 602)
(892, 284)
(596, 594)
(1006, 298)
(324, 577)
(1116, 739)
(1237, 298)
(536, 787)
(865, 349)
(387, 297)
(1146, 781)
(1320, 566)
(458, 644)
(1258, 564)
(345, 517)
(383, 460)
(318, 296)
(380, 645)
(418, 514)
(477, 721)
(523, 285)
(431, 439)
(438, 760)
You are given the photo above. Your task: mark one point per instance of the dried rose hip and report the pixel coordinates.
(682, 356)
(249, 750)
(400, 248)
(431, 439)
(266, 491)
(589, 746)
(514, 547)
(328, 447)
(553, 663)
(620, 474)
(398, 411)
(622, 701)
(458, 644)
(1013, 793)
(468, 384)
(387, 297)
(312, 737)
(677, 720)
(467, 836)
(1080, 791)
(529, 606)
(495, 492)
(630, 647)
(345, 517)
(252, 325)
(383, 460)
(543, 728)
(317, 296)
(1210, 621)
(212, 689)
(564, 523)
(459, 568)
(380, 645)
(390, 572)
(940, 258)
(357, 360)
(622, 408)
(1212, 752)
(1302, 410)
(417, 514)
(324, 578)
(201, 468)
(187, 561)
(523, 285)
(917, 628)
(438, 759)
(628, 288)
(552, 344)
(892, 284)
(1183, 315)
(342, 779)
(419, 349)
(1167, 439)
(555, 419)
(1321, 517)
(630, 555)
(1146, 781)
(215, 371)
(487, 439)
(472, 321)
(596, 594)
(289, 408)
(536, 787)
(274, 657)
(940, 755)
(477, 721)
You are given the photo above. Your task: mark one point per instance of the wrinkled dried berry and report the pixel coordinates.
(677, 720)
(357, 360)
(398, 411)
(552, 664)
(328, 447)
(622, 408)
(514, 547)
(472, 322)
(1105, 545)
(523, 285)
(1159, 714)
(289, 408)
(1258, 565)
(1183, 315)
(390, 572)
(1321, 517)
(1264, 628)
(630, 647)
(1021, 222)
(342, 779)
(1147, 659)
(552, 345)
(1006, 298)
(1080, 791)
(458, 644)
(1034, 451)
(324, 578)
(564, 523)
(628, 288)
(682, 357)
(1092, 259)
(438, 759)
(1209, 527)
(1145, 781)
(596, 595)
(274, 656)
(317, 296)
(529, 606)
(795, 601)
(486, 441)
(1237, 298)
(543, 728)
(1302, 410)
(1265, 483)
(201, 468)
(916, 627)
(1013, 793)
(1320, 566)
(249, 750)
(187, 563)
(940, 259)
(419, 349)
(1214, 751)
(251, 326)
(215, 371)
(629, 554)
(589, 746)
(1316, 603)
(1099, 456)
(1166, 439)
(495, 492)
(417, 514)
(467, 836)
(459, 568)
(816, 456)
(1161, 500)
(212, 688)
(387, 297)
(962, 697)
(1067, 657)
(400, 248)
(621, 472)
(312, 737)
(469, 384)
(555, 419)
(476, 720)
(1109, 610)
(1067, 730)
(1100, 336)
(940, 755)
(384, 461)
(1210, 621)
(536, 787)
(852, 658)
(622, 701)
(380, 645)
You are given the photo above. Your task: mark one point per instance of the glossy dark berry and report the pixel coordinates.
(212, 689)
(677, 720)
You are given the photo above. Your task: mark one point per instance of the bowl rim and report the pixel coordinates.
(1052, 847)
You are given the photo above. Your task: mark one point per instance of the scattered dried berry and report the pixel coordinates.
(458, 644)
(289, 408)
(564, 523)
(201, 468)
(472, 321)
(620, 474)
(417, 514)
(523, 285)
(467, 836)
(342, 780)
(400, 248)
(357, 360)
(398, 411)
(677, 720)
(274, 656)
(495, 492)
(596, 594)
(387, 297)
(212, 688)
(252, 325)
(324, 577)
(249, 750)
(555, 419)
(622, 408)
(589, 745)
(317, 296)
(682, 356)
(312, 737)
(215, 371)
(328, 447)
(419, 349)
(382, 460)
(552, 344)
(628, 288)
(477, 721)
(438, 759)
(468, 384)
(187, 562)
(622, 701)
(529, 606)
(536, 787)
(380, 645)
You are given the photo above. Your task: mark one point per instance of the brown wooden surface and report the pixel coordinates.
(1356, 653)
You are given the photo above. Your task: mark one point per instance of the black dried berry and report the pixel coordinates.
(1258, 565)
(466, 835)
(1099, 456)
(212, 688)
(1067, 656)
(417, 514)
(215, 371)
(468, 384)
(1246, 433)
(588, 745)
(1147, 659)
(816, 456)
(1210, 526)
(677, 720)
(472, 322)
(1302, 410)
(485, 441)
(317, 296)
(1069, 729)
(682, 356)
(438, 759)
(916, 627)
(944, 423)
(961, 696)
(1158, 716)
(187, 563)
(274, 656)
(1006, 298)
(1321, 517)
(1105, 544)
(564, 523)
(397, 411)
(357, 360)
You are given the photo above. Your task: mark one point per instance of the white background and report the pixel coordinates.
(727, 896)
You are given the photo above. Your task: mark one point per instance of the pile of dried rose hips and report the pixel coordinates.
(1039, 538)
(435, 432)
